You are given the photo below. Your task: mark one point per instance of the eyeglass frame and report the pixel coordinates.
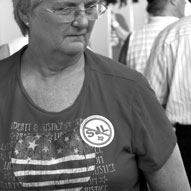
(77, 11)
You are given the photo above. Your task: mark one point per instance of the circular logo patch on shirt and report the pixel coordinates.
(97, 131)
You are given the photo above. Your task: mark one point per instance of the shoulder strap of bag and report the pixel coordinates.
(123, 51)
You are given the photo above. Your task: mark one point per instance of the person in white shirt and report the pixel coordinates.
(168, 72)
(161, 14)
(8, 49)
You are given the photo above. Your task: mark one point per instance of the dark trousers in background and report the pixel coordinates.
(183, 133)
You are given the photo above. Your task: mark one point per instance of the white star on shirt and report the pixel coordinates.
(16, 152)
(103, 179)
(20, 141)
(45, 149)
(76, 151)
(66, 139)
(32, 145)
(38, 136)
(60, 150)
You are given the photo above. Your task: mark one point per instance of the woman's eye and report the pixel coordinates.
(91, 6)
(64, 9)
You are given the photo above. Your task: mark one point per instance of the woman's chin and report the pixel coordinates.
(75, 48)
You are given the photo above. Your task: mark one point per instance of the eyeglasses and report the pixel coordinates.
(93, 12)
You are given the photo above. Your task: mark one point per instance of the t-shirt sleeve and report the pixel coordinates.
(153, 136)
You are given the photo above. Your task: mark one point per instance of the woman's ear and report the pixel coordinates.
(24, 17)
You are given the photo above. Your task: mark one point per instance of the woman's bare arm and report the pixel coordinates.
(171, 177)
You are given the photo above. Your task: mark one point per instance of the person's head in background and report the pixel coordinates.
(174, 8)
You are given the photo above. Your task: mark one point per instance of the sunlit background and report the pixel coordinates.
(188, 8)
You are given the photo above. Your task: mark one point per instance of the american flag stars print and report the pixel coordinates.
(41, 163)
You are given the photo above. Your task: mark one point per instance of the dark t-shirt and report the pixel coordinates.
(115, 127)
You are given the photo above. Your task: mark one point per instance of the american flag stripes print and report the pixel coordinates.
(65, 164)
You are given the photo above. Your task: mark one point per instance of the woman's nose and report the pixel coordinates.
(81, 19)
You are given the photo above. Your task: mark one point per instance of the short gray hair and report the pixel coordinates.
(23, 6)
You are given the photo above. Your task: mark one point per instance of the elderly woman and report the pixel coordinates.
(73, 120)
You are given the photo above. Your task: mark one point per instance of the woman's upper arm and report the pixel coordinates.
(171, 176)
